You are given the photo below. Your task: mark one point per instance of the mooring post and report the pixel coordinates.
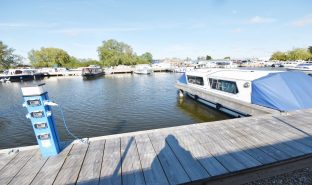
(42, 120)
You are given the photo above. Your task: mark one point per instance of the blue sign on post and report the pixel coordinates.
(42, 120)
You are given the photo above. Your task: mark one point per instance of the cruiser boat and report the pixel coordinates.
(92, 72)
(305, 67)
(278, 90)
(143, 69)
(17, 75)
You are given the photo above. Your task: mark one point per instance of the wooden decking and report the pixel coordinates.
(195, 153)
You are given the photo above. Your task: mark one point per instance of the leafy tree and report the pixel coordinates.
(227, 58)
(279, 56)
(113, 53)
(49, 57)
(147, 58)
(208, 57)
(310, 49)
(298, 54)
(7, 57)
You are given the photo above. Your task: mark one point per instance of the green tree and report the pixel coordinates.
(146, 58)
(298, 54)
(279, 56)
(49, 57)
(113, 53)
(310, 49)
(227, 58)
(208, 57)
(7, 57)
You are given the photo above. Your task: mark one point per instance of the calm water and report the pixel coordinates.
(108, 105)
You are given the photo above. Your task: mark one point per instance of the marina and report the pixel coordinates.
(217, 152)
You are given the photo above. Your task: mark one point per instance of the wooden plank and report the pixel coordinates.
(5, 159)
(242, 143)
(229, 145)
(91, 168)
(261, 144)
(171, 165)
(30, 170)
(283, 135)
(209, 162)
(14, 166)
(49, 171)
(272, 139)
(72, 165)
(216, 149)
(131, 166)
(111, 165)
(192, 167)
(152, 169)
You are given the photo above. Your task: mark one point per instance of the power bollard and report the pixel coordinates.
(40, 114)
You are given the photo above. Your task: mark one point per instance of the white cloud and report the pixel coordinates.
(305, 21)
(260, 20)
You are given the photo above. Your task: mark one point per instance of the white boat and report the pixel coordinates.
(17, 75)
(92, 71)
(54, 71)
(305, 67)
(143, 69)
(277, 90)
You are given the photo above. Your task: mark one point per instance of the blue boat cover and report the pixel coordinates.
(283, 91)
(182, 79)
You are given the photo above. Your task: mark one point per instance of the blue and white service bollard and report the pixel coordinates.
(39, 112)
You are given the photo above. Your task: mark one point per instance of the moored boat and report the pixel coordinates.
(92, 72)
(17, 75)
(143, 69)
(276, 90)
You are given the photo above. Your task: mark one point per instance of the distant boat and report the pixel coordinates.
(143, 69)
(92, 72)
(17, 75)
(305, 67)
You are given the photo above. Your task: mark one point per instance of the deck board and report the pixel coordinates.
(111, 163)
(171, 165)
(152, 169)
(30, 170)
(92, 164)
(69, 172)
(50, 169)
(131, 166)
(5, 159)
(14, 166)
(190, 153)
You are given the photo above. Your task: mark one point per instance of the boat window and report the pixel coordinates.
(223, 85)
(195, 80)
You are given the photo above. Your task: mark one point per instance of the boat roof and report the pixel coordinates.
(232, 74)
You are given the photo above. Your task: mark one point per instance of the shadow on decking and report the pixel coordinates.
(175, 162)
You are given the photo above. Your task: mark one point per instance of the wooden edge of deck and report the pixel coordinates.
(258, 172)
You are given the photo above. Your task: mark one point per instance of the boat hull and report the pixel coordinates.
(92, 75)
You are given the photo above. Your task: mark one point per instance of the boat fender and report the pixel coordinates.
(195, 97)
(218, 106)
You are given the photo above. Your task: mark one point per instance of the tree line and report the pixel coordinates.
(111, 53)
(295, 54)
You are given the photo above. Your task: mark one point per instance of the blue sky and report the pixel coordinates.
(166, 28)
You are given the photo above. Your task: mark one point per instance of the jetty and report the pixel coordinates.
(224, 152)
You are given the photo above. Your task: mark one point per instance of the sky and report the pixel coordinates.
(166, 28)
